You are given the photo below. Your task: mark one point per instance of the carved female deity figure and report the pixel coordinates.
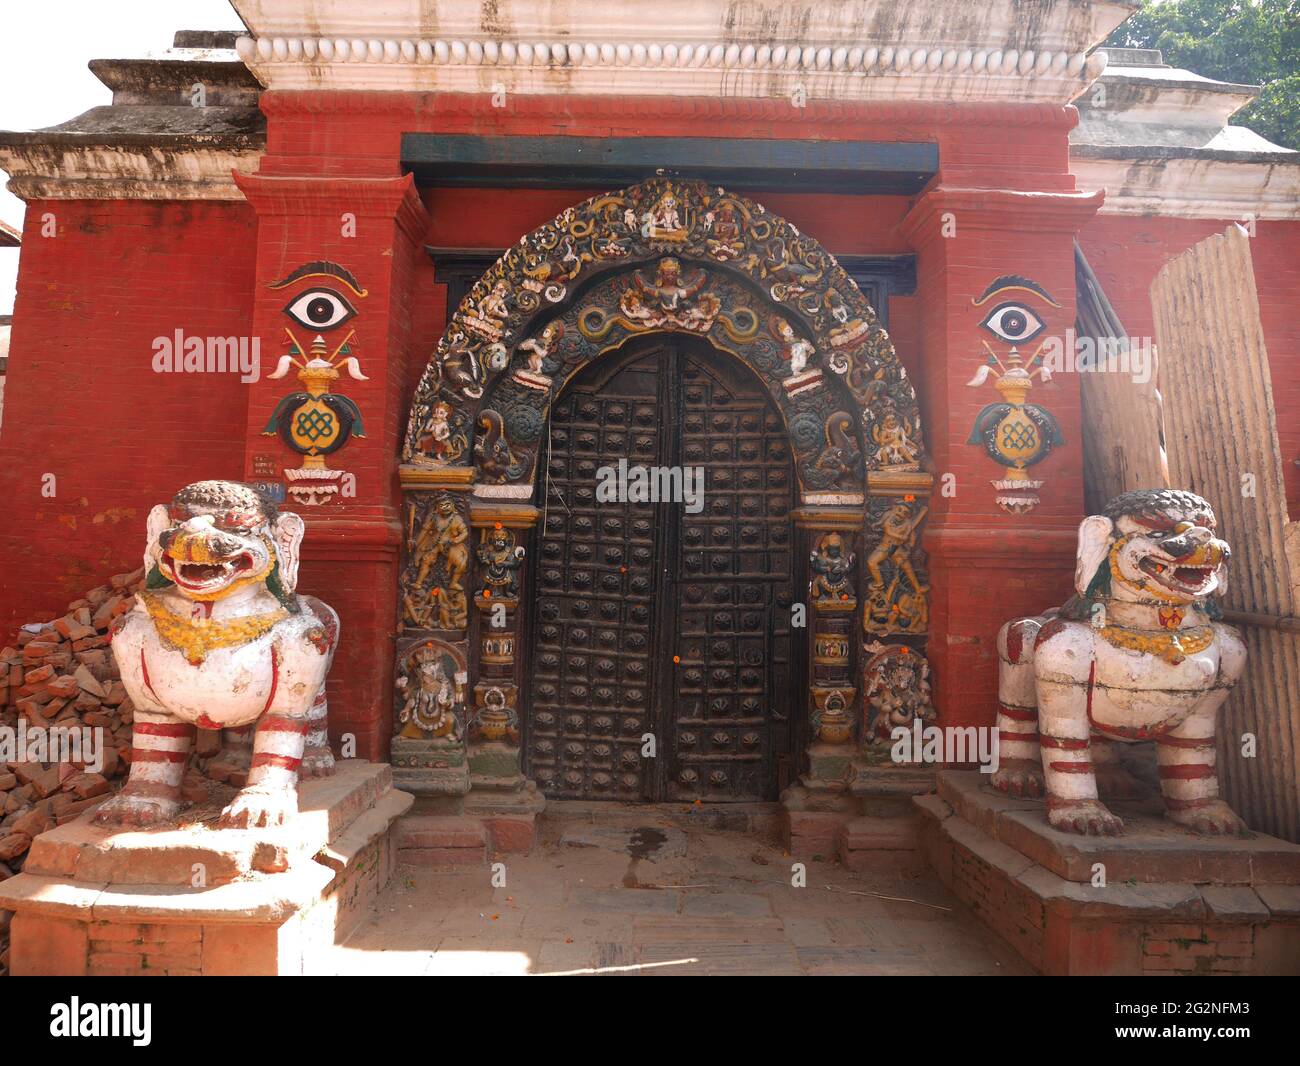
(430, 707)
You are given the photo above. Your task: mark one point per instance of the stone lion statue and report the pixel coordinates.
(218, 639)
(1137, 654)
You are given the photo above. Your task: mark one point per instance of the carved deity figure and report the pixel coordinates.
(488, 317)
(442, 439)
(832, 568)
(726, 241)
(793, 347)
(896, 690)
(897, 535)
(501, 559)
(536, 351)
(433, 706)
(439, 550)
(219, 640)
(664, 221)
(893, 446)
(442, 538)
(848, 329)
(897, 603)
(1136, 654)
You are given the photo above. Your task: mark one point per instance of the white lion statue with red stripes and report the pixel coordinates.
(218, 639)
(1137, 654)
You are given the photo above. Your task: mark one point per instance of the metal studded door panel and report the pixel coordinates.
(623, 588)
(733, 581)
(591, 666)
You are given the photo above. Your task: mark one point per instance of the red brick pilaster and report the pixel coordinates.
(372, 227)
(987, 565)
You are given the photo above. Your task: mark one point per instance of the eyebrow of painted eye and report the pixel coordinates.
(1013, 281)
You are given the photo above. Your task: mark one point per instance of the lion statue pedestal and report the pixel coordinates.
(1136, 655)
(265, 879)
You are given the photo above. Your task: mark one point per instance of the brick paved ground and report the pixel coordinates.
(725, 906)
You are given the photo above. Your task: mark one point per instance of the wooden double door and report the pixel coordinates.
(660, 651)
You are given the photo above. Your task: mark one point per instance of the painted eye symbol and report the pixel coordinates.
(1013, 323)
(320, 309)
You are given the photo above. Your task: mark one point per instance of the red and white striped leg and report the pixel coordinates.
(1072, 802)
(1019, 771)
(317, 758)
(271, 794)
(160, 751)
(1189, 781)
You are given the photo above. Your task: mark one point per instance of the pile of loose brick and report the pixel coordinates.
(62, 674)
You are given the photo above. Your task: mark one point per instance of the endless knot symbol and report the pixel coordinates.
(314, 424)
(1019, 436)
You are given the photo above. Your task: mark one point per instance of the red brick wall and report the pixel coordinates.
(83, 402)
(1127, 253)
(121, 439)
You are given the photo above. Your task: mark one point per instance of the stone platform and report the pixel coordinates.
(194, 899)
(1171, 902)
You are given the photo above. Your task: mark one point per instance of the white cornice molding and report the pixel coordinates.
(868, 50)
(1193, 187)
(125, 172)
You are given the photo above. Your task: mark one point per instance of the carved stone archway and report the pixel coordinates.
(661, 256)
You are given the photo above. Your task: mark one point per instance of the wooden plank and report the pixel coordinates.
(894, 168)
(1222, 443)
(1123, 419)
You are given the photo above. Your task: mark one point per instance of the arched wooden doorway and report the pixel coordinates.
(662, 621)
(741, 297)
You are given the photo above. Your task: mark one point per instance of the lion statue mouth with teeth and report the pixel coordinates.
(1137, 654)
(218, 639)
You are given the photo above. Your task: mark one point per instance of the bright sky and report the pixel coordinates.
(44, 48)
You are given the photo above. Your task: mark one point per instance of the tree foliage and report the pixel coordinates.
(1251, 42)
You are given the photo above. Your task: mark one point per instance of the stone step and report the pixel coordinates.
(1152, 850)
(327, 806)
(874, 844)
(441, 840)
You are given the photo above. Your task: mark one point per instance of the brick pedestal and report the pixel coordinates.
(1172, 902)
(197, 900)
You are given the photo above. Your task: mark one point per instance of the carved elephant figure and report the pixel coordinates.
(219, 639)
(1136, 655)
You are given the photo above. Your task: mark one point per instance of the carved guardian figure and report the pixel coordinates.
(1135, 655)
(218, 639)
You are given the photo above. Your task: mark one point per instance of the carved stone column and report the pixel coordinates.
(500, 532)
(894, 674)
(431, 699)
(820, 801)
